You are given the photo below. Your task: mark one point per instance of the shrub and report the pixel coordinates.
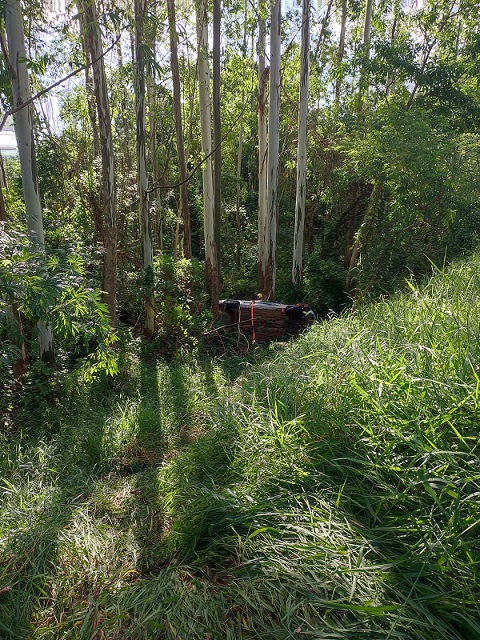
(323, 286)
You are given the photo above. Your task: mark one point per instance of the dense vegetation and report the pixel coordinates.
(161, 478)
(392, 153)
(325, 488)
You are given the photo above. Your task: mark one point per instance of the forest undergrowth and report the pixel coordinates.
(325, 488)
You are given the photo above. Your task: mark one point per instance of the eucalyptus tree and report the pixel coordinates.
(217, 129)
(144, 209)
(24, 132)
(89, 87)
(177, 110)
(150, 38)
(341, 50)
(3, 190)
(273, 150)
(211, 265)
(262, 147)
(94, 40)
(240, 141)
(94, 200)
(439, 28)
(367, 34)
(300, 200)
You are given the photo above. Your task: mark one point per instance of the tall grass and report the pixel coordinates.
(330, 491)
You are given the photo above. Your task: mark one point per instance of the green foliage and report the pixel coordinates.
(178, 304)
(324, 285)
(55, 290)
(410, 178)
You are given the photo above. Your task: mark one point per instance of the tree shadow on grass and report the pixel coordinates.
(172, 402)
(235, 364)
(73, 475)
(195, 453)
(49, 474)
(178, 399)
(149, 448)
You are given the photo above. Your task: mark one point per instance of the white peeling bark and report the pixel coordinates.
(217, 130)
(177, 110)
(341, 50)
(211, 266)
(297, 267)
(26, 148)
(367, 30)
(262, 149)
(273, 149)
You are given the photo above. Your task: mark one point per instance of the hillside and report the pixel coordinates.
(328, 488)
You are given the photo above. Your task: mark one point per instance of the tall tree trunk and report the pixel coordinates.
(153, 156)
(177, 110)
(238, 220)
(273, 150)
(396, 10)
(341, 51)
(89, 87)
(118, 35)
(459, 29)
(157, 219)
(217, 130)
(127, 158)
(144, 212)
(26, 148)
(109, 279)
(94, 199)
(300, 199)
(211, 267)
(238, 225)
(262, 148)
(3, 191)
(367, 29)
(240, 150)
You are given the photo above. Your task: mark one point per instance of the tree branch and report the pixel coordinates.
(199, 164)
(427, 54)
(41, 93)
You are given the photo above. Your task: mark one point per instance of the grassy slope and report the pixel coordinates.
(331, 491)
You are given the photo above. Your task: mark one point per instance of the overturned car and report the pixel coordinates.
(264, 321)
